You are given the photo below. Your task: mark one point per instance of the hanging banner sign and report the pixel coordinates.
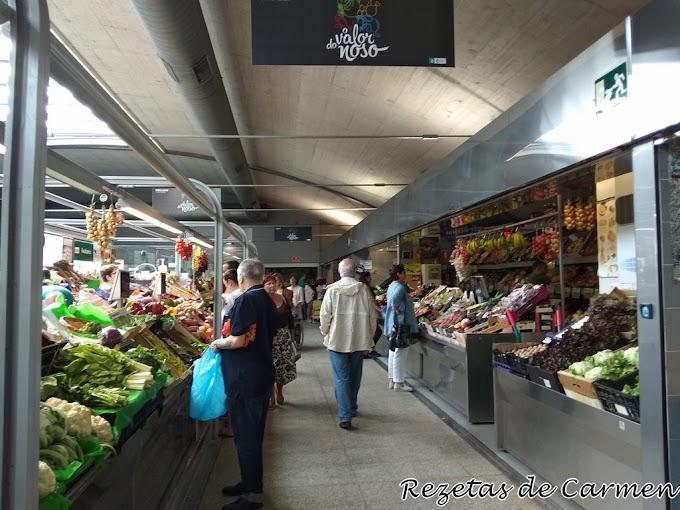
(353, 32)
(175, 204)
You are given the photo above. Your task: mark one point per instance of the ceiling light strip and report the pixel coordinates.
(311, 137)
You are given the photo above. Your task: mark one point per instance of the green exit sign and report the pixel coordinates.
(82, 250)
(612, 88)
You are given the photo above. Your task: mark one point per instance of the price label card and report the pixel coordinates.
(621, 410)
(573, 238)
(576, 292)
(547, 384)
(622, 425)
(567, 292)
(588, 293)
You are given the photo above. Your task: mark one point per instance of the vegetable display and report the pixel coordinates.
(57, 448)
(147, 357)
(599, 329)
(81, 422)
(606, 364)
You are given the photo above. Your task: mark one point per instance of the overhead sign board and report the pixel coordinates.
(175, 204)
(353, 32)
(83, 250)
(293, 234)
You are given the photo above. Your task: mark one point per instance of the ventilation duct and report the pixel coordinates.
(179, 33)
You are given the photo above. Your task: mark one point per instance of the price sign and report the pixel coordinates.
(567, 292)
(576, 292)
(588, 293)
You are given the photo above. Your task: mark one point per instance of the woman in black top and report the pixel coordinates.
(282, 349)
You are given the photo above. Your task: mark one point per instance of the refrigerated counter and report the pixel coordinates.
(561, 438)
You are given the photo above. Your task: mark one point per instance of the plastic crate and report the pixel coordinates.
(617, 402)
(544, 378)
(519, 365)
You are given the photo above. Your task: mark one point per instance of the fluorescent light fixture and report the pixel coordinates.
(196, 240)
(430, 137)
(143, 216)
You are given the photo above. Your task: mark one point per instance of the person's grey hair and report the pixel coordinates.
(347, 268)
(252, 269)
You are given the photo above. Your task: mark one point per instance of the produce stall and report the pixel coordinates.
(115, 395)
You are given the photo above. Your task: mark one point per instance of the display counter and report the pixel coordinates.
(149, 470)
(462, 374)
(562, 438)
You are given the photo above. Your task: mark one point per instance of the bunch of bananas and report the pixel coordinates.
(493, 245)
(473, 247)
(517, 240)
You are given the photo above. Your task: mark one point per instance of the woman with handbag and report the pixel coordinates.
(400, 326)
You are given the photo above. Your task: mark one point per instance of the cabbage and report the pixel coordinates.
(603, 357)
(580, 367)
(632, 356)
(595, 374)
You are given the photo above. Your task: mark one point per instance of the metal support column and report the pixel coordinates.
(219, 254)
(21, 230)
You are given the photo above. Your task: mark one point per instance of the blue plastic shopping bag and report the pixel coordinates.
(208, 398)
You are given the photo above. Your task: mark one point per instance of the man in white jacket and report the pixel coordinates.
(348, 321)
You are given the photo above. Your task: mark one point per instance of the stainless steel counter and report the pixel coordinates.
(561, 438)
(463, 375)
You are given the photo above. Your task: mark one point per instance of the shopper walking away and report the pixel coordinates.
(248, 370)
(283, 350)
(365, 278)
(298, 297)
(309, 297)
(348, 319)
(302, 282)
(399, 310)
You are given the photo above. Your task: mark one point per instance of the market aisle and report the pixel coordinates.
(312, 464)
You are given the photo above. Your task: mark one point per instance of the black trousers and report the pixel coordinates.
(248, 419)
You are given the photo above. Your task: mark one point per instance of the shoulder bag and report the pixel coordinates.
(400, 336)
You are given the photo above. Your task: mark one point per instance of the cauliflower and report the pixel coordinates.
(101, 430)
(77, 415)
(47, 482)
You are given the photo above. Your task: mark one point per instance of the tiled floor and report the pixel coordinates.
(312, 464)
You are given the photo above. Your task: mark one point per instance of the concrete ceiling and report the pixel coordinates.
(504, 48)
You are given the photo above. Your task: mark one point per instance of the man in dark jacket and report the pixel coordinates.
(248, 370)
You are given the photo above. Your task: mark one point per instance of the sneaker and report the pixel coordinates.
(243, 504)
(402, 387)
(390, 385)
(347, 425)
(233, 490)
